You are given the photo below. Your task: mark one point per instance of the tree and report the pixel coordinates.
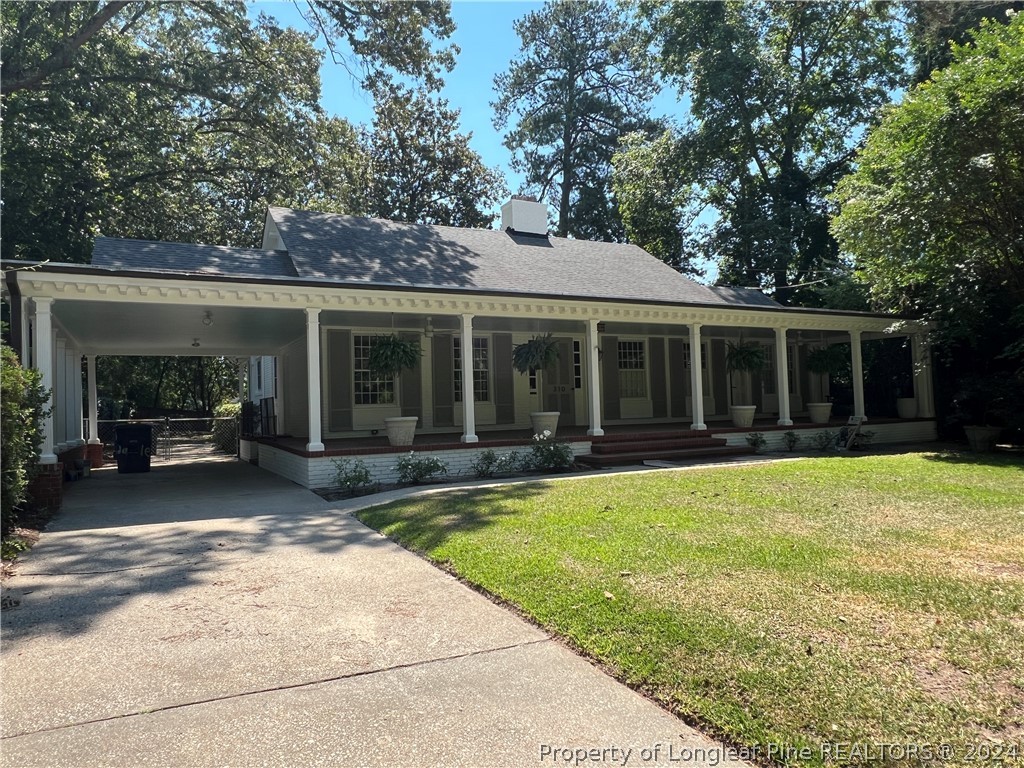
(655, 205)
(181, 121)
(422, 169)
(779, 94)
(575, 89)
(933, 26)
(933, 213)
(41, 41)
(186, 384)
(22, 407)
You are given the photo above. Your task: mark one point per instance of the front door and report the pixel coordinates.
(559, 392)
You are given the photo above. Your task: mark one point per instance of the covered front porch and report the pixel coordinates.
(623, 367)
(620, 445)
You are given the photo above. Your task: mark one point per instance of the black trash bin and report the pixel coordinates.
(133, 446)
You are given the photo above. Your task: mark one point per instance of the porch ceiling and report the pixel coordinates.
(122, 328)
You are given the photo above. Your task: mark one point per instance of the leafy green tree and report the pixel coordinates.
(182, 121)
(779, 94)
(421, 167)
(933, 212)
(22, 407)
(931, 28)
(656, 206)
(187, 384)
(579, 85)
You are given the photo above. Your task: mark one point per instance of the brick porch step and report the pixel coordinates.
(679, 454)
(656, 445)
(633, 437)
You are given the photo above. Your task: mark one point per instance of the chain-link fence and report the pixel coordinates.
(180, 439)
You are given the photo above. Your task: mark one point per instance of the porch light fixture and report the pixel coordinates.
(207, 321)
(195, 342)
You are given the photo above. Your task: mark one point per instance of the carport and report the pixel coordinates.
(65, 316)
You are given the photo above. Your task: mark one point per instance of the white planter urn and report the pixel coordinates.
(544, 421)
(742, 415)
(820, 413)
(982, 439)
(906, 407)
(401, 429)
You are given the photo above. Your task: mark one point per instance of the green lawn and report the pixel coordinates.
(869, 599)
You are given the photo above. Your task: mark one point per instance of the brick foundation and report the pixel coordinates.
(94, 453)
(46, 491)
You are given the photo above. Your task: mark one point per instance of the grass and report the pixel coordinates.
(869, 600)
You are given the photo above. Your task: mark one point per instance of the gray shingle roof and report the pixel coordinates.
(354, 250)
(187, 258)
(376, 251)
(750, 297)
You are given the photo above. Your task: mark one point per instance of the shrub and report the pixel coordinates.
(412, 469)
(351, 474)
(490, 464)
(22, 408)
(757, 441)
(791, 440)
(549, 454)
(824, 440)
(225, 426)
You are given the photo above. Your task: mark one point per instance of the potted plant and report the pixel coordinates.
(825, 361)
(744, 357)
(389, 356)
(537, 354)
(984, 404)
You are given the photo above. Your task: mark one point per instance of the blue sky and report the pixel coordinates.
(488, 42)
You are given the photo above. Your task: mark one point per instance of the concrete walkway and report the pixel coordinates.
(215, 614)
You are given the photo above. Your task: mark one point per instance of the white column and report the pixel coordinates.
(594, 379)
(923, 384)
(468, 401)
(26, 359)
(696, 379)
(79, 432)
(242, 365)
(94, 427)
(59, 397)
(70, 432)
(857, 374)
(313, 378)
(782, 376)
(44, 364)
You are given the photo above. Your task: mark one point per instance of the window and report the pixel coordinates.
(367, 387)
(481, 369)
(790, 368)
(632, 369)
(532, 375)
(259, 375)
(577, 365)
(768, 378)
(705, 384)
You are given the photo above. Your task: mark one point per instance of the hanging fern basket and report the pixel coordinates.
(390, 355)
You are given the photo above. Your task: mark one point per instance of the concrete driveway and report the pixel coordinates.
(215, 614)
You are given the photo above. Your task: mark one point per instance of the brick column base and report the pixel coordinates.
(94, 453)
(46, 491)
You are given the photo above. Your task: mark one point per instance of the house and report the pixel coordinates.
(637, 340)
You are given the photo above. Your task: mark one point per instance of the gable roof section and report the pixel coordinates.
(748, 297)
(353, 249)
(187, 258)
